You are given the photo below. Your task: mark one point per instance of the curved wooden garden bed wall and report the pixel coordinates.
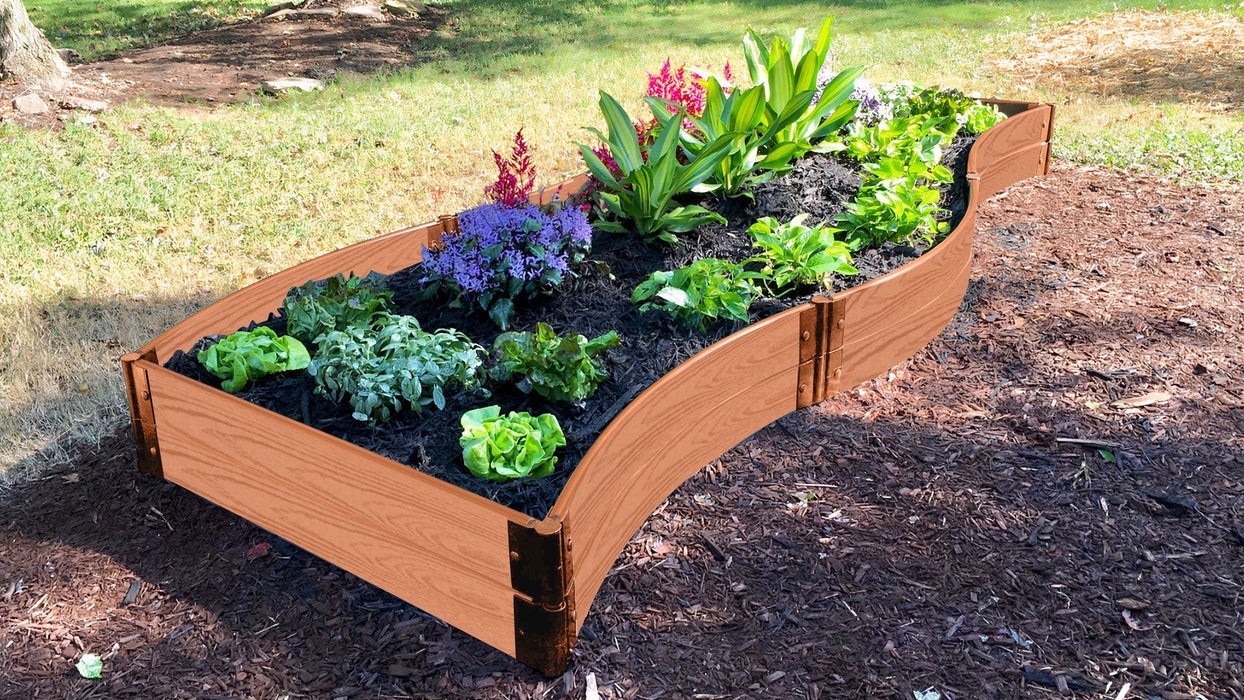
(521, 585)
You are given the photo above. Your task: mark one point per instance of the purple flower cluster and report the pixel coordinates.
(873, 107)
(505, 252)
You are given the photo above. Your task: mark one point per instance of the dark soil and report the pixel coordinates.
(593, 304)
(934, 528)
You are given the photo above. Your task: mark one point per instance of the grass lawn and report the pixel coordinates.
(109, 234)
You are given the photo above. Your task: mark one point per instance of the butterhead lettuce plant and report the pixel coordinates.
(246, 356)
(502, 448)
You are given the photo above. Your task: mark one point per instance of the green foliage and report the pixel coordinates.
(380, 369)
(752, 158)
(566, 369)
(900, 137)
(794, 254)
(788, 72)
(650, 176)
(895, 213)
(978, 118)
(335, 304)
(699, 293)
(508, 447)
(247, 356)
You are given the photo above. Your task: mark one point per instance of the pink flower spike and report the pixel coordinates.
(516, 175)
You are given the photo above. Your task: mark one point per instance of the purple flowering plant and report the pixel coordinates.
(508, 250)
(507, 253)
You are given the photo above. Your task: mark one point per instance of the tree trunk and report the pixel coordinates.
(25, 53)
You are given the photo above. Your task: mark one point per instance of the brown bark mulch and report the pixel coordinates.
(1046, 500)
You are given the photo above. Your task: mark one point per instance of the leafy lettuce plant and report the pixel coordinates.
(334, 304)
(381, 369)
(948, 103)
(787, 69)
(794, 254)
(246, 356)
(565, 369)
(504, 254)
(642, 187)
(700, 293)
(501, 448)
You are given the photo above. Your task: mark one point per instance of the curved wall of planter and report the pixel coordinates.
(521, 585)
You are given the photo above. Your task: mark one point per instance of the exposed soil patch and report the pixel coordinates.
(932, 529)
(226, 64)
(593, 304)
(1156, 56)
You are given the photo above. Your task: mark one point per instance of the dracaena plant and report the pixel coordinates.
(564, 369)
(794, 254)
(738, 116)
(647, 177)
(700, 293)
(501, 448)
(336, 303)
(380, 370)
(788, 70)
(246, 356)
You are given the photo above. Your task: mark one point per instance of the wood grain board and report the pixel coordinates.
(448, 550)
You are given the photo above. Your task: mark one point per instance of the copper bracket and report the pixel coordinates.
(540, 574)
(142, 414)
(820, 350)
(449, 227)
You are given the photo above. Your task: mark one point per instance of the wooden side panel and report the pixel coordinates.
(670, 432)
(384, 254)
(1015, 133)
(1005, 170)
(705, 435)
(430, 543)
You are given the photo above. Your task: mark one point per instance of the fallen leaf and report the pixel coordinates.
(1131, 604)
(258, 550)
(1145, 400)
(1127, 617)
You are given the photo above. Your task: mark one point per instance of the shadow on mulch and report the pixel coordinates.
(930, 529)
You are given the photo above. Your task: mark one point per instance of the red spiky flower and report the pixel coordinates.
(516, 175)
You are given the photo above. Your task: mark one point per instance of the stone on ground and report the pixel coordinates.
(30, 104)
(83, 104)
(314, 13)
(371, 12)
(280, 86)
(404, 8)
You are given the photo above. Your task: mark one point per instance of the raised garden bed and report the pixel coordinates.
(521, 584)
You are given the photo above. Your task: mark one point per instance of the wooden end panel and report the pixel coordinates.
(1017, 132)
(561, 190)
(212, 443)
(866, 357)
(675, 456)
(1013, 167)
(384, 254)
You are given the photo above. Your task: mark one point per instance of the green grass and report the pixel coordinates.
(102, 27)
(111, 233)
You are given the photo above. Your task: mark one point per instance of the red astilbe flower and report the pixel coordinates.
(516, 175)
(675, 86)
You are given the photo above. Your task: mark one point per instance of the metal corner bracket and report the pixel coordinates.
(541, 576)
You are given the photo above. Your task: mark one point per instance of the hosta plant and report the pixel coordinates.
(564, 369)
(794, 254)
(245, 356)
(646, 179)
(967, 112)
(700, 293)
(380, 370)
(336, 303)
(505, 254)
(897, 213)
(501, 448)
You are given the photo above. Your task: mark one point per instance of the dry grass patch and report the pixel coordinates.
(1158, 56)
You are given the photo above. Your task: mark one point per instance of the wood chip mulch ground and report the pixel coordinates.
(1047, 500)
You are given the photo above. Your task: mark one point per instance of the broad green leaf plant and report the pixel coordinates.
(787, 69)
(562, 369)
(794, 254)
(381, 369)
(517, 445)
(700, 293)
(335, 304)
(650, 176)
(246, 356)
